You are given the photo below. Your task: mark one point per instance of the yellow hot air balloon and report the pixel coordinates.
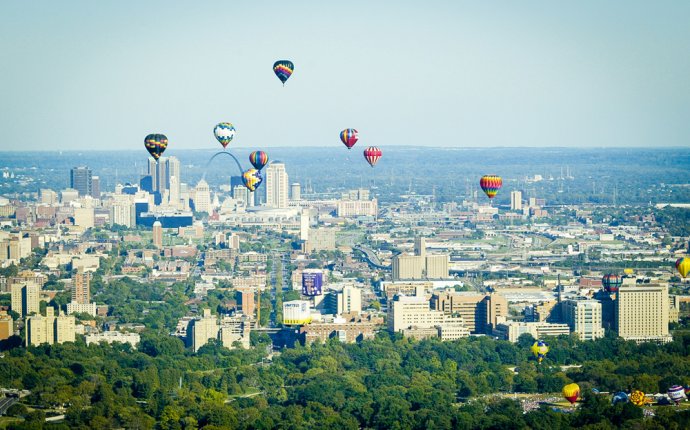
(571, 392)
(539, 350)
(683, 266)
(637, 398)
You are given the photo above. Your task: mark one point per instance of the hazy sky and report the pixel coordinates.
(102, 75)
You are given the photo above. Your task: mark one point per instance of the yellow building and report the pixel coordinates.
(436, 266)
(584, 318)
(642, 313)
(6, 325)
(408, 267)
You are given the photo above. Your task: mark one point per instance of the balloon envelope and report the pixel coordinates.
(676, 393)
(683, 266)
(258, 159)
(349, 137)
(539, 350)
(224, 133)
(619, 397)
(637, 398)
(156, 144)
(611, 282)
(491, 184)
(372, 155)
(283, 69)
(252, 179)
(571, 392)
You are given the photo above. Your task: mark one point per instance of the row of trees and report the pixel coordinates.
(388, 382)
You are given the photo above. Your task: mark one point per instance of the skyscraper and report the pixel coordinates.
(202, 197)
(158, 234)
(642, 313)
(25, 299)
(584, 318)
(276, 185)
(172, 170)
(96, 187)
(80, 179)
(516, 200)
(81, 290)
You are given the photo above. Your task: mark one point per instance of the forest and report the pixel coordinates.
(386, 383)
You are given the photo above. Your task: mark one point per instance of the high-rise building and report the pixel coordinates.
(80, 179)
(48, 196)
(25, 300)
(516, 200)
(122, 211)
(436, 266)
(202, 197)
(158, 234)
(420, 246)
(203, 330)
(348, 300)
(481, 312)
(172, 170)
(642, 313)
(96, 187)
(295, 191)
(412, 316)
(276, 185)
(248, 304)
(407, 267)
(49, 329)
(584, 318)
(81, 288)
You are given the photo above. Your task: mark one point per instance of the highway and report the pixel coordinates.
(371, 257)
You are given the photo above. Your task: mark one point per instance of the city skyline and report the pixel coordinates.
(472, 75)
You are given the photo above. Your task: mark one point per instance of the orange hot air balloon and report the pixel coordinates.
(571, 392)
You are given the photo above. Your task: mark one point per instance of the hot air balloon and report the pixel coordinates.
(637, 398)
(224, 132)
(619, 397)
(372, 155)
(156, 144)
(676, 393)
(349, 137)
(258, 159)
(683, 266)
(571, 392)
(283, 69)
(611, 282)
(687, 391)
(252, 179)
(539, 350)
(491, 184)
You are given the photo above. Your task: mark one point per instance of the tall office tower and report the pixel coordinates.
(96, 187)
(248, 304)
(81, 290)
(516, 200)
(276, 185)
(153, 173)
(408, 267)
(642, 313)
(158, 234)
(202, 330)
(419, 246)
(25, 299)
(174, 193)
(172, 169)
(584, 318)
(80, 179)
(295, 192)
(202, 197)
(122, 212)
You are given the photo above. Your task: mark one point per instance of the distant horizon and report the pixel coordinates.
(445, 148)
